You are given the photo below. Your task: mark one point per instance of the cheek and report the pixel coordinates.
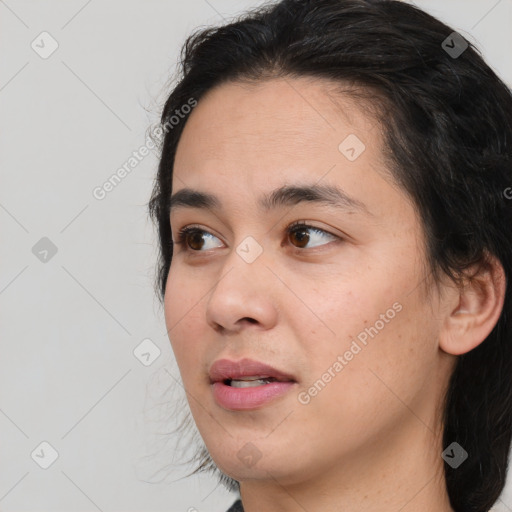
(182, 299)
(382, 359)
(184, 319)
(380, 327)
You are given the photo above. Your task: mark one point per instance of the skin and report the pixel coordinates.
(370, 440)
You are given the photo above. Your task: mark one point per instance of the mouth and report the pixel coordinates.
(238, 373)
(247, 384)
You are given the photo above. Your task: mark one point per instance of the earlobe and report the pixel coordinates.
(474, 309)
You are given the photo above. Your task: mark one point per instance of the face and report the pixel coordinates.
(339, 305)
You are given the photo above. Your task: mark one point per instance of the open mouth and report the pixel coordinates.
(249, 382)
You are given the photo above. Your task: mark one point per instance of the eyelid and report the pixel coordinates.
(198, 227)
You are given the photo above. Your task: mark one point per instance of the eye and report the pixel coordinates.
(298, 231)
(192, 238)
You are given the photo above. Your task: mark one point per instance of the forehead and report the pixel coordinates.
(245, 140)
(275, 119)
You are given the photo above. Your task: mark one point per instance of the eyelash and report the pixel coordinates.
(296, 226)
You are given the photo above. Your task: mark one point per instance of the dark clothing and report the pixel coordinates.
(236, 507)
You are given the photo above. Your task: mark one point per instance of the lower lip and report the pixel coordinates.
(239, 399)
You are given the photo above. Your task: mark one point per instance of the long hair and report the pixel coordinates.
(446, 118)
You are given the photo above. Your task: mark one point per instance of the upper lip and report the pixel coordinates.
(225, 369)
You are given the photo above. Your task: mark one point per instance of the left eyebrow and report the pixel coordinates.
(285, 196)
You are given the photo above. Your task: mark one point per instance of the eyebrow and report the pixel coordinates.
(287, 195)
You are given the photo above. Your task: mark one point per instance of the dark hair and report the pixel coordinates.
(446, 120)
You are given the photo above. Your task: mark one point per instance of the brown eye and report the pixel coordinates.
(193, 239)
(301, 235)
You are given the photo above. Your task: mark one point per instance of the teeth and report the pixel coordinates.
(246, 383)
(254, 377)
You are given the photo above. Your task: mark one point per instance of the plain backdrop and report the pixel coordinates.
(87, 376)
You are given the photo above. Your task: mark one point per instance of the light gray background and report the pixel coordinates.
(69, 325)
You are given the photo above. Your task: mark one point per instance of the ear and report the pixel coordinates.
(473, 309)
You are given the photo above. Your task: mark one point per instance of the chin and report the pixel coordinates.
(257, 459)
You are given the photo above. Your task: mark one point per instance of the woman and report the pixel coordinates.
(335, 200)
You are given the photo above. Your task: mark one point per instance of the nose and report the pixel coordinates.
(242, 296)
